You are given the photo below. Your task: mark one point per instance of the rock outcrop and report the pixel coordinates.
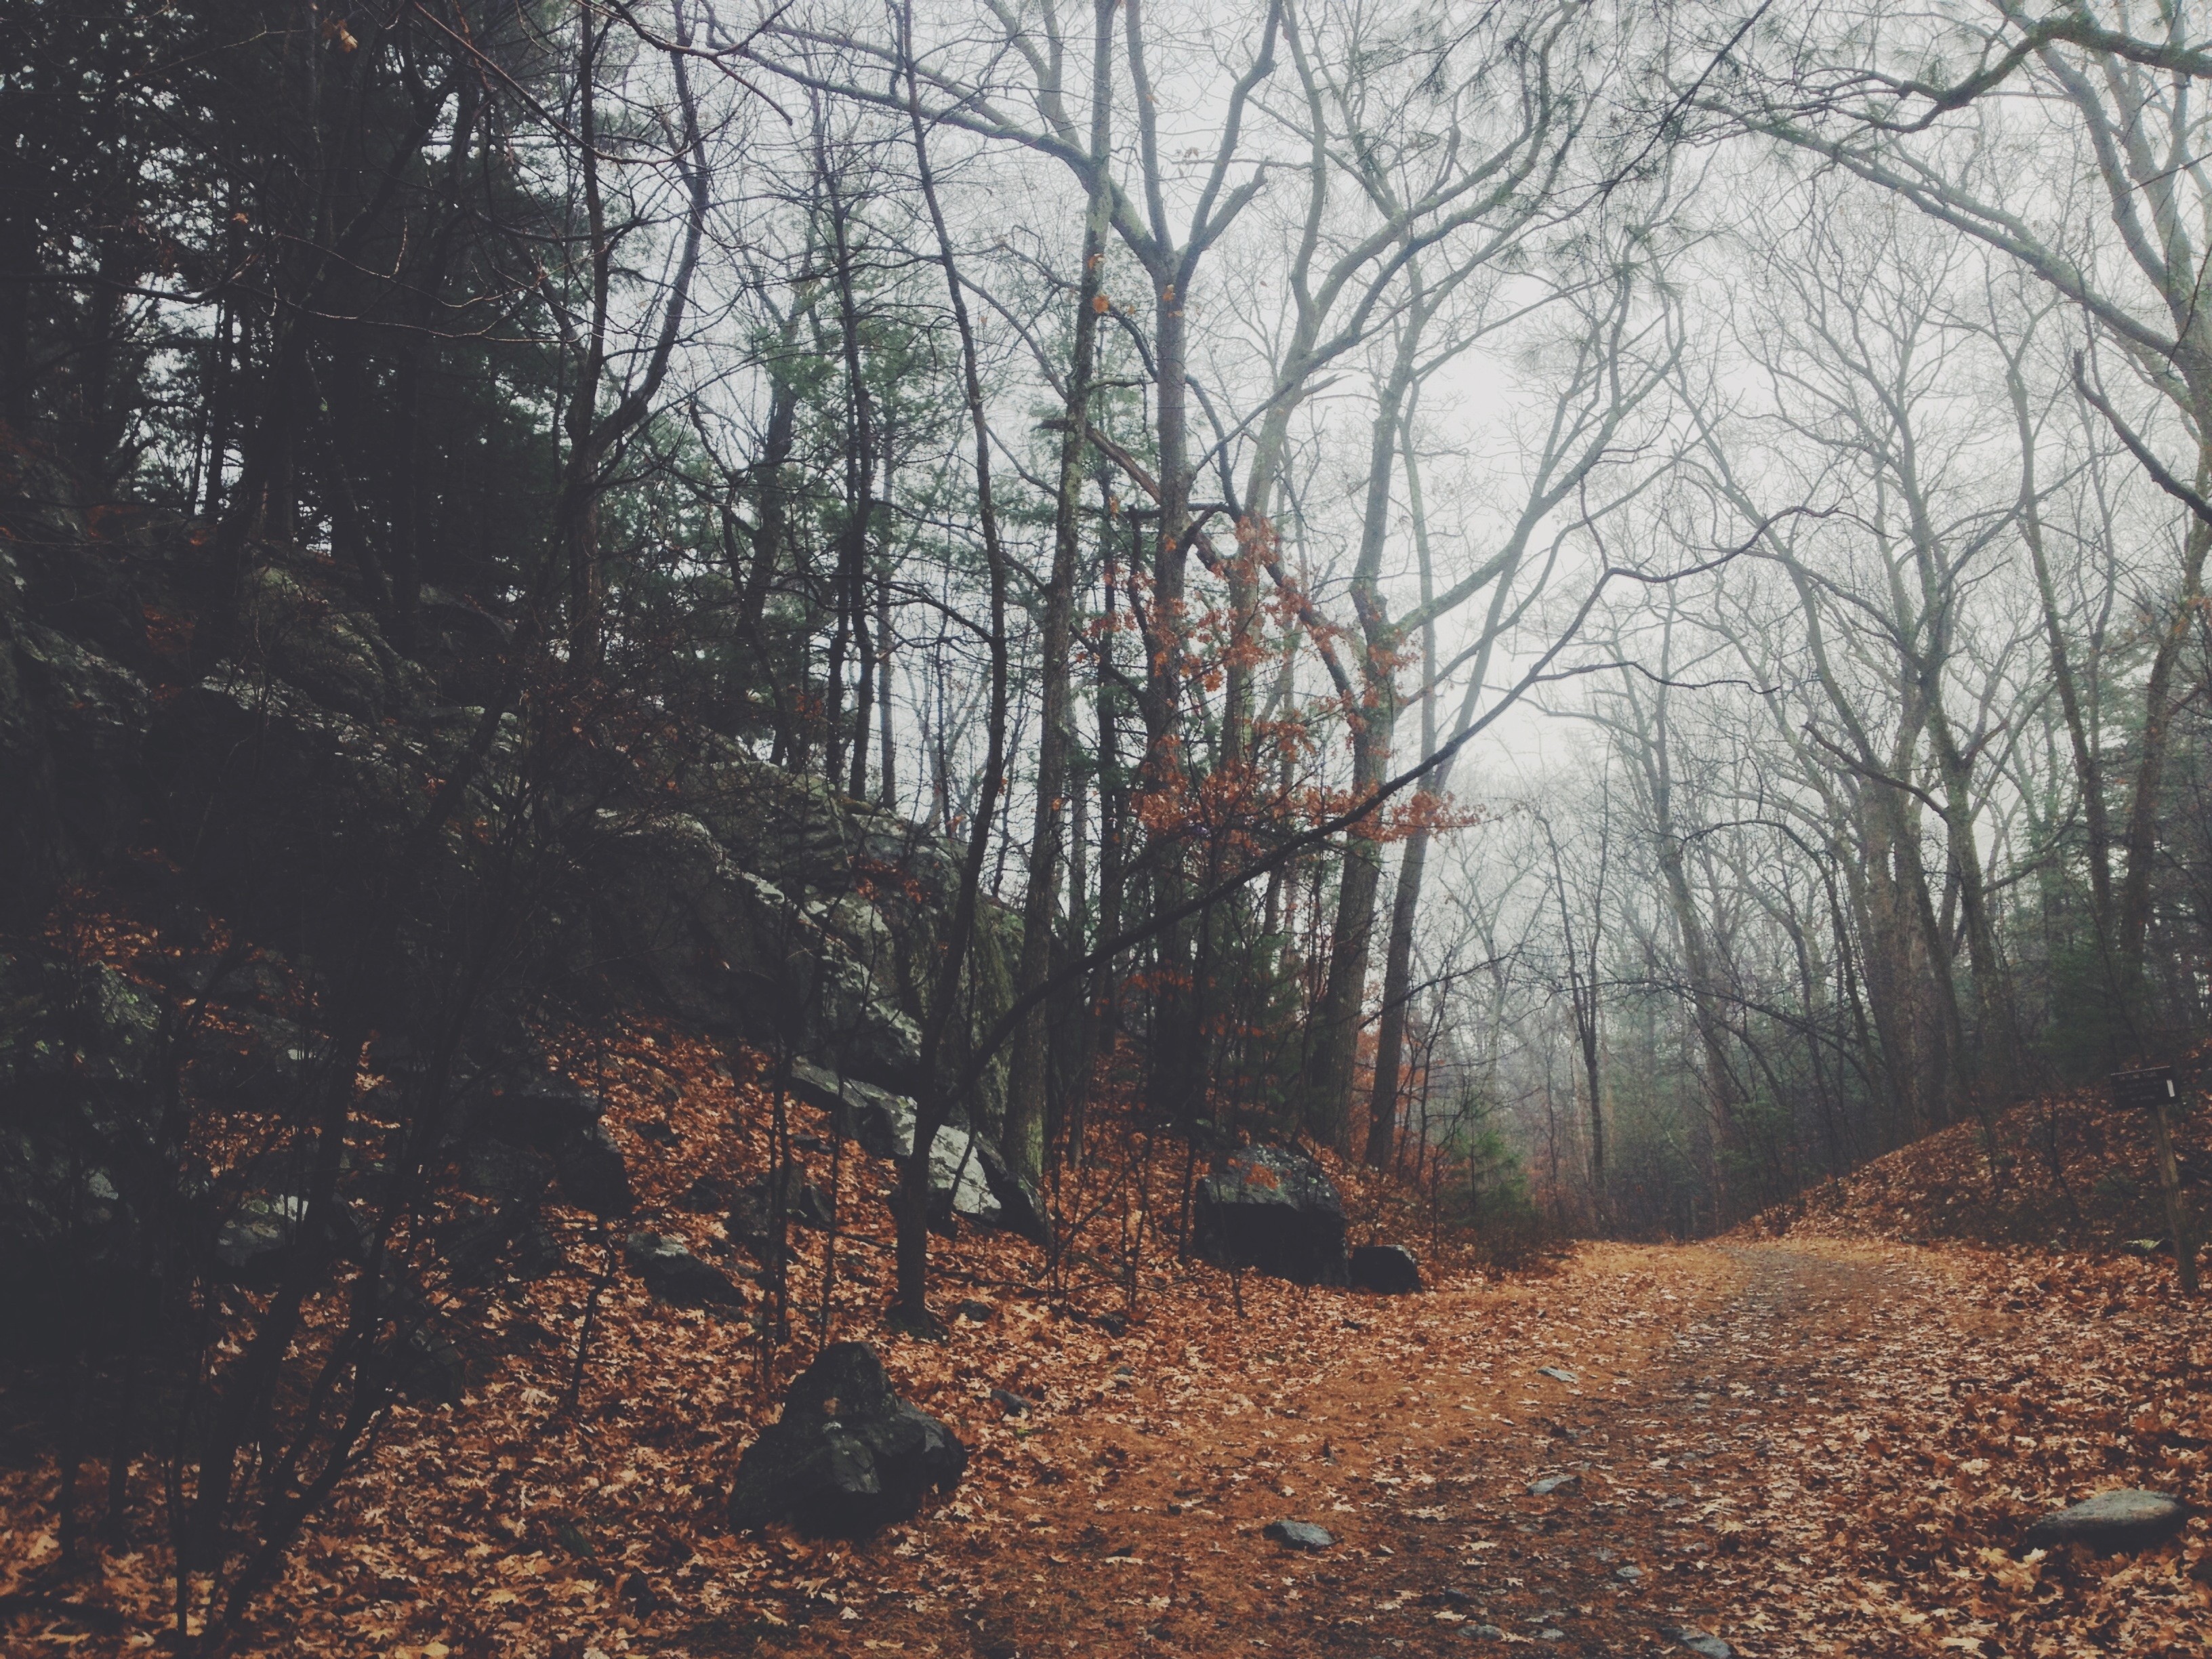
(531, 1108)
(966, 1171)
(239, 739)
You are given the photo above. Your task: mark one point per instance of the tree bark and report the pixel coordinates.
(940, 1089)
(1029, 1068)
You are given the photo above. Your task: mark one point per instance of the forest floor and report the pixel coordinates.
(1799, 1449)
(1829, 1442)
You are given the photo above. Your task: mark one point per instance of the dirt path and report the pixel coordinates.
(1824, 1448)
(1647, 1544)
(1688, 1380)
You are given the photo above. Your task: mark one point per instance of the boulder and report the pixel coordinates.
(880, 1120)
(707, 1194)
(1021, 1206)
(532, 1109)
(82, 1088)
(429, 1370)
(508, 1175)
(752, 1213)
(1385, 1269)
(960, 1164)
(476, 1247)
(847, 1456)
(2111, 1521)
(671, 1273)
(592, 1172)
(958, 1184)
(1274, 1210)
(538, 1112)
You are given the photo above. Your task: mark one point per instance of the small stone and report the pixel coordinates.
(1551, 1483)
(1556, 1374)
(1299, 1534)
(1631, 1574)
(1553, 1634)
(1011, 1403)
(1697, 1642)
(2112, 1521)
(971, 1308)
(1484, 1632)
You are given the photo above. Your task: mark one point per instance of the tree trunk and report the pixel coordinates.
(910, 1201)
(1174, 1080)
(1022, 1140)
(2160, 707)
(1334, 1060)
(1405, 909)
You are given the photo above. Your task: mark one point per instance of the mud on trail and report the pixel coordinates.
(1754, 1442)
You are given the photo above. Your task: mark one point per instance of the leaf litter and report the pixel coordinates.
(1827, 1445)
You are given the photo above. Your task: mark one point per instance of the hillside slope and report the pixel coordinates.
(2072, 1172)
